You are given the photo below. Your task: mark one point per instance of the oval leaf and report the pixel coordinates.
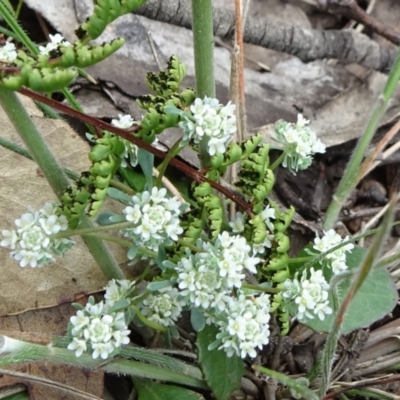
(197, 319)
(148, 390)
(222, 373)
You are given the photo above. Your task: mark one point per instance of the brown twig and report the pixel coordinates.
(376, 382)
(367, 166)
(351, 10)
(306, 44)
(127, 134)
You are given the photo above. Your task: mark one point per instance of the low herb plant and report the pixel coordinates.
(220, 254)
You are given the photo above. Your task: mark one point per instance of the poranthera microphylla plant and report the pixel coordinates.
(206, 258)
(203, 258)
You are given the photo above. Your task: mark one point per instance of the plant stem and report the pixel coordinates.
(174, 150)
(28, 352)
(203, 41)
(349, 180)
(261, 288)
(328, 355)
(54, 175)
(277, 162)
(93, 229)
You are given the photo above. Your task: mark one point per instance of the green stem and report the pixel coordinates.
(277, 162)
(29, 352)
(362, 273)
(54, 175)
(190, 246)
(302, 259)
(93, 229)
(350, 178)
(174, 150)
(112, 239)
(147, 322)
(203, 41)
(71, 174)
(261, 288)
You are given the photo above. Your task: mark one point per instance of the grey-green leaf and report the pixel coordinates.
(148, 390)
(222, 373)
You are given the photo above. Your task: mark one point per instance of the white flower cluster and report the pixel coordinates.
(55, 41)
(117, 290)
(267, 215)
(155, 218)
(212, 120)
(163, 307)
(96, 327)
(32, 242)
(207, 278)
(244, 325)
(309, 294)
(337, 258)
(299, 143)
(8, 53)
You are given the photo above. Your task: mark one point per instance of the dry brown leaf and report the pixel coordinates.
(67, 382)
(23, 187)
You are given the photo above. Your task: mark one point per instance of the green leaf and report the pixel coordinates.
(108, 218)
(162, 256)
(222, 373)
(157, 285)
(133, 179)
(120, 305)
(375, 299)
(118, 195)
(146, 162)
(197, 319)
(367, 394)
(18, 396)
(148, 390)
(132, 252)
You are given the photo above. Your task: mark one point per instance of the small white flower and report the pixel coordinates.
(32, 242)
(95, 310)
(8, 52)
(27, 257)
(117, 290)
(94, 328)
(244, 325)
(99, 330)
(237, 223)
(121, 337)
(163, 306)
(79, 321)
(212, 120)
(155, 219)
(309, 294)
(55, 41)
(10, 240)
(77, 345)
(299, 143)
(336, 259)
(133, 214)
(102, 349)
(124, 122)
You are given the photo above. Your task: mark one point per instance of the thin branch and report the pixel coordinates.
(196, 175)
(352, 10)
(307, 44)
